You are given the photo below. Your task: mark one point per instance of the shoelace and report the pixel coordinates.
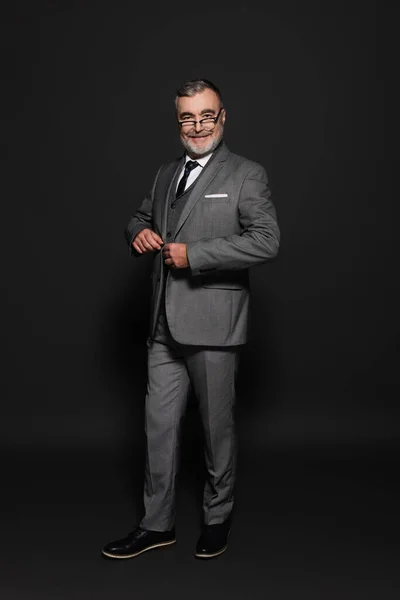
(136, 532)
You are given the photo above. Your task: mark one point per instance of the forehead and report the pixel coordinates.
(195, 104)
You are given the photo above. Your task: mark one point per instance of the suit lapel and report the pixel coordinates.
(212, 168)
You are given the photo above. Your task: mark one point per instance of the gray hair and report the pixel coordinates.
(195, 86)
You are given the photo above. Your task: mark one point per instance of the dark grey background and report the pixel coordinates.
(89, 117)
(91, 120)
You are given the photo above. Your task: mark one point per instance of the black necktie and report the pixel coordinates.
(190, 165)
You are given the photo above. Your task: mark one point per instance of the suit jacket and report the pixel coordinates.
(229, 224)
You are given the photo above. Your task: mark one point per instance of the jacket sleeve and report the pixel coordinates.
(258, 241)
(142, 218)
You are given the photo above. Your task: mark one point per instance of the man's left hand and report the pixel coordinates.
(175, 255)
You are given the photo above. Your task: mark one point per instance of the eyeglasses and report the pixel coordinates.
(207, 123)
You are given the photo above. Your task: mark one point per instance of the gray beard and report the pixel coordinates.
(210, 147)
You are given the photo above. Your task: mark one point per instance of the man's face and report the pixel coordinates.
(200, 139)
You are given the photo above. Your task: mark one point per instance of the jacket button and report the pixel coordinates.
(158, 278)
(173, 205)
(168, 234)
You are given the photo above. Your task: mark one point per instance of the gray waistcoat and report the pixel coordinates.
(173, 218)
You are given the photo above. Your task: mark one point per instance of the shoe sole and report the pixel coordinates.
(109, 555)
(211, 555)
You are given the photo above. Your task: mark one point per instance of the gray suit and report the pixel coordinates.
(199, 317)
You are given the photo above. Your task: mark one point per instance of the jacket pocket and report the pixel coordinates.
(222, 285)
(216, 199)
(225, 280)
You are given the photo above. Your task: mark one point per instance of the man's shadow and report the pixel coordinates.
(124, 360)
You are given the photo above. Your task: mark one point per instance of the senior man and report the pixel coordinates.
(208, 218)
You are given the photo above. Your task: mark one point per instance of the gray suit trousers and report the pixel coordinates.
(173, 369)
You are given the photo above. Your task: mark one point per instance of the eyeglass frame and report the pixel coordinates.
(194, 122)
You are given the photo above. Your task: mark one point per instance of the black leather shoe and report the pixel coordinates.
(138, 541)
(213, 540)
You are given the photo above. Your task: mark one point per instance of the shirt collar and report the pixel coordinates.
(203, 160)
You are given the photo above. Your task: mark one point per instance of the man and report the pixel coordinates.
(207, 219)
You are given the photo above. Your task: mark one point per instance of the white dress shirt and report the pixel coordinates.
(193, 175)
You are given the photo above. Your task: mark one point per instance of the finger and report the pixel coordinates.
(138, 246)
(146, 244)
(157, 238)
(169, 262)
(152, 241)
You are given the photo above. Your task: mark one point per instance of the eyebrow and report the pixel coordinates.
(203, 112)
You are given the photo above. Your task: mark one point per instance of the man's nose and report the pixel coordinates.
(198, 126)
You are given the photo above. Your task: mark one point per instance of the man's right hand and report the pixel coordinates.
(147, 241)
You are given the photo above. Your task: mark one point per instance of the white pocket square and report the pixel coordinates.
(216, 196)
